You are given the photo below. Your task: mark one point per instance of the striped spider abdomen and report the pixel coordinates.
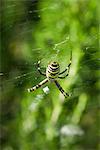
(52, 71)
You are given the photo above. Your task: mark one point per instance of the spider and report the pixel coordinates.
(52, 74)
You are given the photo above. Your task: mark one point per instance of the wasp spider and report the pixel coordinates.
(52, 74)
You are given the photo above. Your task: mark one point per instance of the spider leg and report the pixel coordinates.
(39, 69)
(68, 67)
(38, 86)
(64, 76)
(63, 71)
(61, 89)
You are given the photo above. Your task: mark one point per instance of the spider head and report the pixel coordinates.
(53, 70)
(54, 63)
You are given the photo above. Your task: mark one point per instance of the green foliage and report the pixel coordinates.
(46, 31)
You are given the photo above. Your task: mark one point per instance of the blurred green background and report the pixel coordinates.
(33, 30)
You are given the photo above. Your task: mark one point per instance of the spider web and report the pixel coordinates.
(26, 70)
(33, 30)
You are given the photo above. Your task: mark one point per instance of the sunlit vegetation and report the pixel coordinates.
(49, 30)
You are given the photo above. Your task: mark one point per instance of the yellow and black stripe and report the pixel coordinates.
(38, 86)
(52, 71)
(61, 89)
